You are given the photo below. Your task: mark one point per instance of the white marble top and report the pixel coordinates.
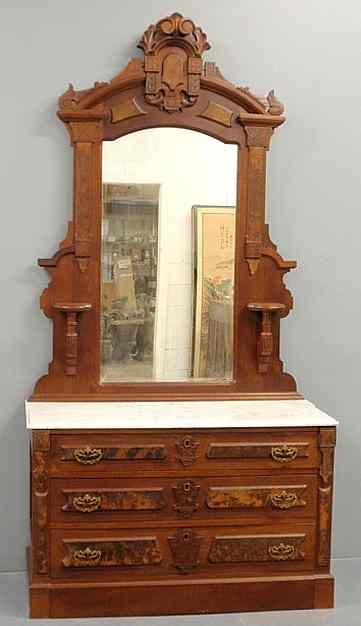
(200, 414)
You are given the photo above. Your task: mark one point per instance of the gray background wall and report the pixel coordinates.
(310, 52)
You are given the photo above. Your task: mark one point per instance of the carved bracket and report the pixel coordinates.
(327, 441)
(173, 64)
(71, 310)
(265, 342)
(40, 453)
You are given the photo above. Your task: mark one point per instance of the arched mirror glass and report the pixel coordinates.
(168, 241)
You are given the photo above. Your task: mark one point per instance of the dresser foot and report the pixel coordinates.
(324, 593)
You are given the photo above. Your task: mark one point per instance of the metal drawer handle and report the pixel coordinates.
(86, 557)
(284, 453)
(87, 503)
(282, 552)
(88, 455)
(284, 500)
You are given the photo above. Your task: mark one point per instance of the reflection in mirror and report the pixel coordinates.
(168, 236)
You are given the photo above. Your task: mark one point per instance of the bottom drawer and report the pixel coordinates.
(201, 551)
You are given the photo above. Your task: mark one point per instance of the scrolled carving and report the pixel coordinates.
(282, 552)
(275, 107)
(187, 450)
(185, 547)
(88, 455)
(284, 453)
(174, 27)
(186, 494)
(327, 441)
(69, 101)
(40, 481)
(173, 65)
(324, 525)
(88, 503)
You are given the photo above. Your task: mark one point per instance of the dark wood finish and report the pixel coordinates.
(214, 523)
(172, 86)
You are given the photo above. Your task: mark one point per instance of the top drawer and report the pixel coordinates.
(207, 452)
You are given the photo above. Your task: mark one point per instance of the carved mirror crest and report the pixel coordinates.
(167, 285)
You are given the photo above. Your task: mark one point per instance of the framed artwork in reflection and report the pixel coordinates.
(214, 238)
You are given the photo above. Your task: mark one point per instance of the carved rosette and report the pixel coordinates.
(40, 452)
(173, 50)
(327, 441)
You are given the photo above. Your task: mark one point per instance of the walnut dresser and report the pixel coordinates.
(177, 514)
(175, 468)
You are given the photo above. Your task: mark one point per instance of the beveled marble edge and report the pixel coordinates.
(202, 414)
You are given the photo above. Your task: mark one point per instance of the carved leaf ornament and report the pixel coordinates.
(173, 64)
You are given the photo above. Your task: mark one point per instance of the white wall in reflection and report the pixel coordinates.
(191, 169)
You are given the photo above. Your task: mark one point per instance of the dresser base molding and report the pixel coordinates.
(231, 595)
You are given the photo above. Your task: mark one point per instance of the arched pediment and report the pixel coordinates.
(172, 75)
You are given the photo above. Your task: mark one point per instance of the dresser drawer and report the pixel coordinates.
(258, 498)
(136, 453)
(200, 552)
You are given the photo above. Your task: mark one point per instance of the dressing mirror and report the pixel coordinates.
(168, 236)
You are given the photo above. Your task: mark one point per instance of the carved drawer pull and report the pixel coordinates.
(282, 552)
(88, 455)
(284, 500)
(87, 503)
(87, 557)
(284, 453)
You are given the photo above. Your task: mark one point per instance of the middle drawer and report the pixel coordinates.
(165, 499)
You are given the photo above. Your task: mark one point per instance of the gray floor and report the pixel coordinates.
(13, 607)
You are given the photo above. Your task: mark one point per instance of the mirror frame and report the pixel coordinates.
(171, 86)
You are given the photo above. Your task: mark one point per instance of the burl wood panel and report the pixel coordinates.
(110, 500)
(122, 552)
(172, 85)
